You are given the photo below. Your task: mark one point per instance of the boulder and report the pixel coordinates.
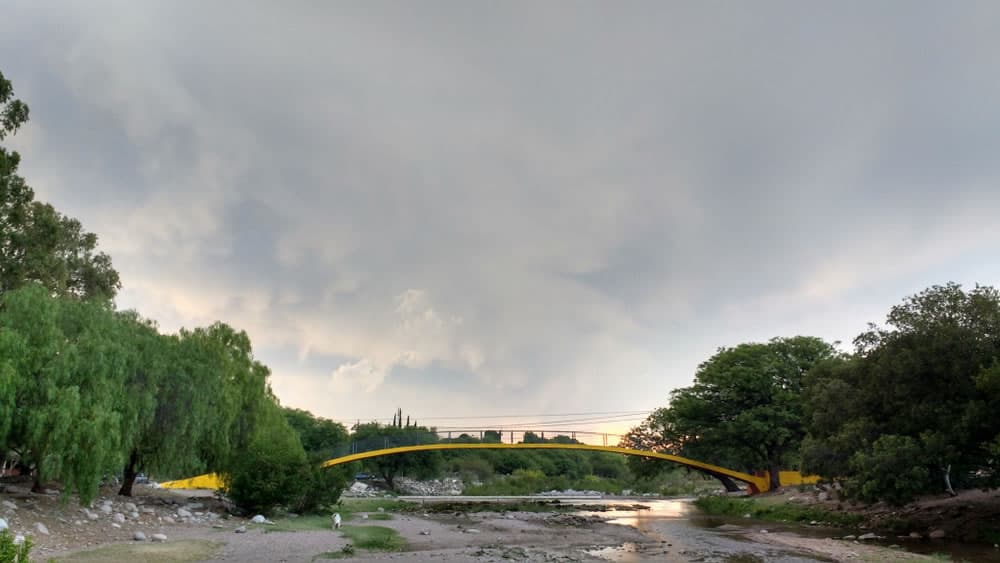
(3, 525)
(133, 515)
(183, 513)
(9, 504)
(139, 536)
(241, 530)
(130, 507)
(159, 537)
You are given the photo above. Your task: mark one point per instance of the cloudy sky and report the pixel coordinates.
(470, 208)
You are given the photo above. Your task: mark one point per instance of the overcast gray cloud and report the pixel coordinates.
(520, 207)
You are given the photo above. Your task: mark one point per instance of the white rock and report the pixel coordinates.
(471, 531)
(118, 518)
(130, 507)
(18, 539)
(3, 524)
(936, 534)
(139, 536)
(258, 519)
(183, 513)
(159, 537)
(823, 497)
(41, 529)
(241, 530)
(9, 504)
(763, 531)
(868, 536)
(115, 525)
(91, 515)
(169, 520)
(133, 515)
(425, 532)
(105, 508)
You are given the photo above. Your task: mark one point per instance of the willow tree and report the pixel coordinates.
(67, 361)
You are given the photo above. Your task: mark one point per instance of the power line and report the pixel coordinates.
(487, 417)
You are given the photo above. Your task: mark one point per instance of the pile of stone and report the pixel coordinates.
(450, 486)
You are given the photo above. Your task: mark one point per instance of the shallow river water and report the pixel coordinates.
(679, 532)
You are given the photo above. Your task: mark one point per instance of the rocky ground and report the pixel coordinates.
(196, 526)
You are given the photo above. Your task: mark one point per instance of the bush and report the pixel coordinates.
(892, 470)
(11, 552)
(273, 470)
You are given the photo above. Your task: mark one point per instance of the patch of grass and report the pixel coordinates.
(374, 538)
(380, 516)
(302, 523)
(775, 511)
(166, 552)
(350, 507)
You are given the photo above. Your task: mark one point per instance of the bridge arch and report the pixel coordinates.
(756, 484)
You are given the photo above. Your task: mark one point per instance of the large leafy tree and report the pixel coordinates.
(37, 243)
(923, 385)
(374, 436)
(68, 366)
(744, 410)
(320, 436)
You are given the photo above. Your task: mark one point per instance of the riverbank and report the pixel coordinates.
(382, 529)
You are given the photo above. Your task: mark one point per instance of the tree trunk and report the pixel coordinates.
(36, 487)
(129, 474)
(775, 476)
(947, 481)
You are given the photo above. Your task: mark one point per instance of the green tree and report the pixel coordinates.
(37, 243)
(68, 364)
(272, 470)
(320, 437)
(745, 408)
(924, 378)
(373, 436)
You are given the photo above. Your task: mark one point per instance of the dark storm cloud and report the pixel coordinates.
(533, 196)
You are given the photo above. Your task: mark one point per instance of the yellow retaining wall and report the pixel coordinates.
(793, 478)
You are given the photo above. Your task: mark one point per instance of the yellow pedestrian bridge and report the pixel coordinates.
(754, 483)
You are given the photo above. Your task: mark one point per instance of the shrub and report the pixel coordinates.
(11, 552)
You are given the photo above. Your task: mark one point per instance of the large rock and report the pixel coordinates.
(41, 529)
(3, 525)
(184, 513)
(130, 507)
(118, 518)
(9, 504)
(139, 536)
(159, 537)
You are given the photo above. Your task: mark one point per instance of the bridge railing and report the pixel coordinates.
(476, 435)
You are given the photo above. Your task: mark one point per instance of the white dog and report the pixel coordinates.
(336, 520)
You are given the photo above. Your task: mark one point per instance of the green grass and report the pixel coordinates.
(380, 516)
(772, 510)
(168, 552)
(374, 538)
(349, 508)
(302, 523)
